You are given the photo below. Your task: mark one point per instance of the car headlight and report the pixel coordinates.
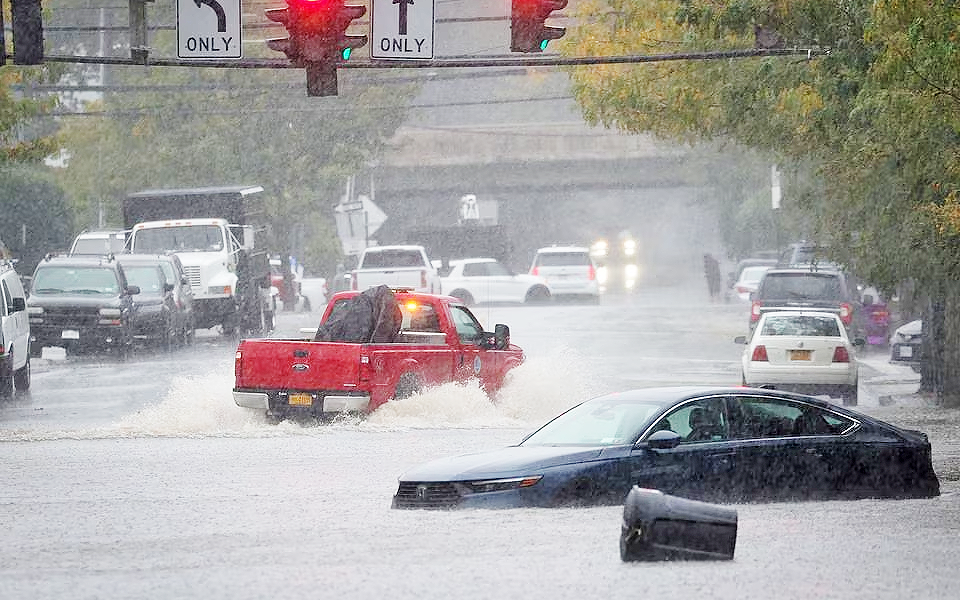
(500, 485)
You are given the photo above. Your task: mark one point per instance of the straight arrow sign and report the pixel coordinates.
(402, 23)
(401, 29)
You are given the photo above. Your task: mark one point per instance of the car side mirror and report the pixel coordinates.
(501, 334)
(19, 304)
(740, 339)
(662, 440)
(859, 342)
(133, 290)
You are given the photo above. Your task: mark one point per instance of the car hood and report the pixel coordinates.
(79, 301)
(513, 461)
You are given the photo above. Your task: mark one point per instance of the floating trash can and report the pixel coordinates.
(657, 526)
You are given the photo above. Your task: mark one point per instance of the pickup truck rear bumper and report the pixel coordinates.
(305, 403)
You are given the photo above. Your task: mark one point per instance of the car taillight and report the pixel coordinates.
(841, 355)
(535, 271)
(846, 315)
(759, 354)
(592, 274)
(755, 311)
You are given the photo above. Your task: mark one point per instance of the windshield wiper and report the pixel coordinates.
(48, 291)
(87, 291)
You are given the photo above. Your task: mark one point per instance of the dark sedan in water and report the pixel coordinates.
(716, 444)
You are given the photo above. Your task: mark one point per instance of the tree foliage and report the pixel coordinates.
(869, 122)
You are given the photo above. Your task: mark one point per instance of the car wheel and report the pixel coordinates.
(849, 395)
(21, 377)
(537, 295)
(36, 349)
(463, 295)
(408, 385)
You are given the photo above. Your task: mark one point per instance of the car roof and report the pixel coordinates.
(464, 261)
(549, 249)
(824, 272)
(396, 247)
(803, 313)
(84, 260)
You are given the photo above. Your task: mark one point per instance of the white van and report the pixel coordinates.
(14, 333)
(102, 242)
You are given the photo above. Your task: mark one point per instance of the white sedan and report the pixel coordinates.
(486, 280)
(807, 352)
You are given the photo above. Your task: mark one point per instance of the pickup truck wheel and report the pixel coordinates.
(464, 296)
(537, 295)
(408, 385)
(21, 377)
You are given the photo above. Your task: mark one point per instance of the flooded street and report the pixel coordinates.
(145, 480)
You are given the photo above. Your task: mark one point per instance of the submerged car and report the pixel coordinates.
(807, 352)
(704, 443)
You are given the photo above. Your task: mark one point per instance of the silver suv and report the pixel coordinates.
(569, 271)
(14, 332)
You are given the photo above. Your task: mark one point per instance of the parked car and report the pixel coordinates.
(748, 281)
(568, 270)
(99, 242)
(905, 345)
(801, 351)
(314, 293)
(704, 443)
(487, 280)
(81, 303)
(14, 332)
(164, 306)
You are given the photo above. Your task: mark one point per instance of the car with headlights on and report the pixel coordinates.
(805, 351)
(81, 303)
(704, 443)
(488, 281)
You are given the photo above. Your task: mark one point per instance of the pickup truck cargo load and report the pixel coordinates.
(438, 341)
(211, 229)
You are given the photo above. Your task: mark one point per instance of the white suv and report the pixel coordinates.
(14, 332)
(569, 271)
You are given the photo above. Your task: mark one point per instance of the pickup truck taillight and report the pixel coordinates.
(755, 311)
(841, 355)
(846, 313)
(353, 281)
(238, 367)
(592, 274)
(423, 279)
(535, 271)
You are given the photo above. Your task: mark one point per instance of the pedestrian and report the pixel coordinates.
(711, 270)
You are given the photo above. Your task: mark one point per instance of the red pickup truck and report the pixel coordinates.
(439, 340)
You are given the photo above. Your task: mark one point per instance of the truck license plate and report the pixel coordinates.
(300, 400)
(70, 334)
(906, 352)
(800, 354)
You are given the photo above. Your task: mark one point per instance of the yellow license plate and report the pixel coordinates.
(800, 354)
(300, 400)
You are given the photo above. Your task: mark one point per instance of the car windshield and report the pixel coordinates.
(802, 286)
(801, 325)
(563, 259)
(64, 280)
(196, 238)
(607, 422)
(98, 245)
(146, 277)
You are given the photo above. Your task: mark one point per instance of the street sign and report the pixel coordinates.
(401, 29)
(208, 29)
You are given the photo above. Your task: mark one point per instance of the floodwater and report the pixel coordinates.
(174, 492)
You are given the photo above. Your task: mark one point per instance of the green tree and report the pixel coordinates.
(867, 126)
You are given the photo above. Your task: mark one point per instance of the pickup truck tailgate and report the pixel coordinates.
(297, 365)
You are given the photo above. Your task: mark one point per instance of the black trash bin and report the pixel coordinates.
(657, 526)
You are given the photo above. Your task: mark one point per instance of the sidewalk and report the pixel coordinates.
(884, 384)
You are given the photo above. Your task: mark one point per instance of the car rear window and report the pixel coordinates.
(801, 325)
(392, 258)
(563, 259)
(801, 286)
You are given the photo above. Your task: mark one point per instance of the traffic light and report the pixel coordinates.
(528, 32)
(27, 28)
(317, 39)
